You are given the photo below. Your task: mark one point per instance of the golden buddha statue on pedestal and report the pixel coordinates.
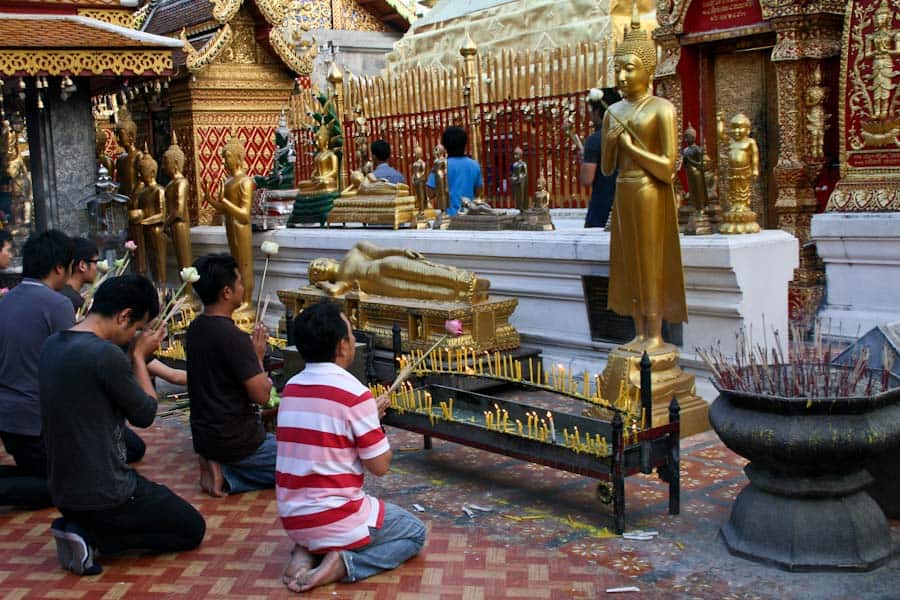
(178, 220)
(234, 200)
(326, 167)
(646, 280)
(743, 168)
(150, 216)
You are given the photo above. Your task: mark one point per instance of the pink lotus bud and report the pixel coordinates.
(130, 245)
(454, 327)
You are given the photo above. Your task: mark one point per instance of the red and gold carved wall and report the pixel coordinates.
(869, 110)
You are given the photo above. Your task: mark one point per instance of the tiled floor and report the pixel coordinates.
(546, 537)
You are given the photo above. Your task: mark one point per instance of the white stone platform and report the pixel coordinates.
(731, 281)
(861, 252)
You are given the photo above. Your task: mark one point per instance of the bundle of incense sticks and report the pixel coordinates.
(804, 372)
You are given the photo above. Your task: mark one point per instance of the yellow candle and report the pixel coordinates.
(531, 370)
(450, 409)
(497, 363)
(540, 366)
(519, 426)
(587, 384)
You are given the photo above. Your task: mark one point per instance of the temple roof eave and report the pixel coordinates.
(65, 44)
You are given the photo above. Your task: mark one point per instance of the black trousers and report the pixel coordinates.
(153, 519)
(26, 483)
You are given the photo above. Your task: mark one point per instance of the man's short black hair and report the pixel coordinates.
(83, 249)
(381, 150)
(5, 236)
(45, 251)
(454, 141)
(217, 271)
(318, 330)
(126, 291)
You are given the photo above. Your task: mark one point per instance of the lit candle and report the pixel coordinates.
(552, 426)
(529, 423)
(519, 426)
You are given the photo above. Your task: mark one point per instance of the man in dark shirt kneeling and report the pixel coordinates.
(227, 385)
(88, 390)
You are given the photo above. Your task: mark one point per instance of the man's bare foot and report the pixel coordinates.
(211, 479)
(332, 569)
(298, 566)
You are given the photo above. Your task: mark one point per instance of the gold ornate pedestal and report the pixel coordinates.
(667, 380)
(485, 324)
(424, 218)
(374, 210)
(535, 219)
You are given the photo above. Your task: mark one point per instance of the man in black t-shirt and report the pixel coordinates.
(603, 187)
(227, 385)
(88, 389)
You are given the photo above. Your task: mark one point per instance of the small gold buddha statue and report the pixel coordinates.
(743, 168)
(234, 200)
(395, 273)
(419, 179)
(441, 193)
(103, 160)
(325, 167)
(518, 181)
(541, 195)
(151, 217)
(178, 220)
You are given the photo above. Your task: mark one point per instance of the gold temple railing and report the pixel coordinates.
(531, 99)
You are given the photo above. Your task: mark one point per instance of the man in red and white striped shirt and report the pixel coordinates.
(329, 430)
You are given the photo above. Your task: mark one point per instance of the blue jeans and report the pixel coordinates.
(255, 472)
(400, 537)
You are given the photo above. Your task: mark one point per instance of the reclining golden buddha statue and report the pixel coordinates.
(396, 273)
(379, 287)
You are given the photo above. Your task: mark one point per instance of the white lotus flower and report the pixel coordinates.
(269, 248)
(118, 262)
(102, 266)
(189, 275)
(595, 95)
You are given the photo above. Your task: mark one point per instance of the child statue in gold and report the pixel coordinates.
(743, 168)
(326, 166)
(151, 217)
(395, 273)
(178, 221)
(639, 140)
(235, 200)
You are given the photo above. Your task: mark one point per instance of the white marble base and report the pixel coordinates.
(731, 281)
(861, 252)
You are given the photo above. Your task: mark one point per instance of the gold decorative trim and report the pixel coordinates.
(122, 18)
(139, 17)
(302, 64)
(274, 11)
(224, 10)
(869, 196)
(78, 62)
(197, 60)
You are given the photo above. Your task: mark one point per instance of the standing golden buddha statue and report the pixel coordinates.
(178, 220)
(743, 168)
(646, 280)
(234, 199)
(150, 216)
(126, 176)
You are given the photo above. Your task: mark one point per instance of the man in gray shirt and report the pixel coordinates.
(30, 313)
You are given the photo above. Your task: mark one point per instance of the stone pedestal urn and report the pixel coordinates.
(806, 507)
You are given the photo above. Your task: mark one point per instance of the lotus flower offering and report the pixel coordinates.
(120, 264)
(188, 276)
(270, 249)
